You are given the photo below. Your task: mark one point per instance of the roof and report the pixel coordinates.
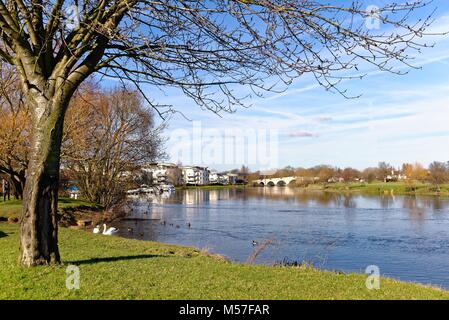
(159, 164)
(194, 167)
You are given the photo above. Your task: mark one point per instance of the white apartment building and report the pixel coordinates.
(222, 178)
(195, 175)
(164, 173)
(214, 177)
(170, 173)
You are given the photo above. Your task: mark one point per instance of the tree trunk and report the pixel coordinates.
(18, 186)
(39, 222)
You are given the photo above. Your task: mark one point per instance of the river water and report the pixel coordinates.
(407, 237)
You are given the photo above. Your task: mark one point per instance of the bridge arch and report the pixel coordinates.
(271, 182)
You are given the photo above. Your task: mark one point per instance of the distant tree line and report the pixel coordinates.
(436, 173)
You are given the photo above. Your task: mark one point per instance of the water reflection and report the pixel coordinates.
(416, 206)
(406, 236)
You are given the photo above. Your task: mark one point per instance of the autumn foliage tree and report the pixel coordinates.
(384, 170)
(15, 129)
(209, 50)
(420, 173)
(370, 174)
(350, 174)
(324, 172)
(407, 171)
(438, 172)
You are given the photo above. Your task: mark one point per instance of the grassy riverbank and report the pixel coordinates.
(397, 188)
(374, 188)
(13, 208)
(117, 268)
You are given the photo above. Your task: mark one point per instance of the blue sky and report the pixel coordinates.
(397, 119)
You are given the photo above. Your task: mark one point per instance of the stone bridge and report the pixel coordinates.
(271, 182)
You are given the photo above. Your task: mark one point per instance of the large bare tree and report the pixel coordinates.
(200, 47)
(108, 136)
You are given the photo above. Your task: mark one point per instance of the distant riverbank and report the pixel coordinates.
(377, 188)
(374, 188)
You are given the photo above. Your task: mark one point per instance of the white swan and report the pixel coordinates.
(109, 231)
(96, 229)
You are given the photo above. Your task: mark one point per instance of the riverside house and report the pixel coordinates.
(195, 175)
(164, 173)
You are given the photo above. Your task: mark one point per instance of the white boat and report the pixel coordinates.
(168, 188)
(144, 189)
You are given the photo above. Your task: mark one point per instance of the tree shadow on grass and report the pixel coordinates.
(2, 234)
(114, 259)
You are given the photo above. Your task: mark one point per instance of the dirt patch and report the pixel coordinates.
(70, 217)
(75, 217)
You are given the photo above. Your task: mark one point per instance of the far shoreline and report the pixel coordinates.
(374, 188)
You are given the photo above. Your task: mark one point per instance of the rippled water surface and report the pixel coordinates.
(406, 237)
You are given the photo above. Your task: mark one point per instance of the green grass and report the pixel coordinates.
(13, 207)
(10, 208)
(117, 268)
(398, 188)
